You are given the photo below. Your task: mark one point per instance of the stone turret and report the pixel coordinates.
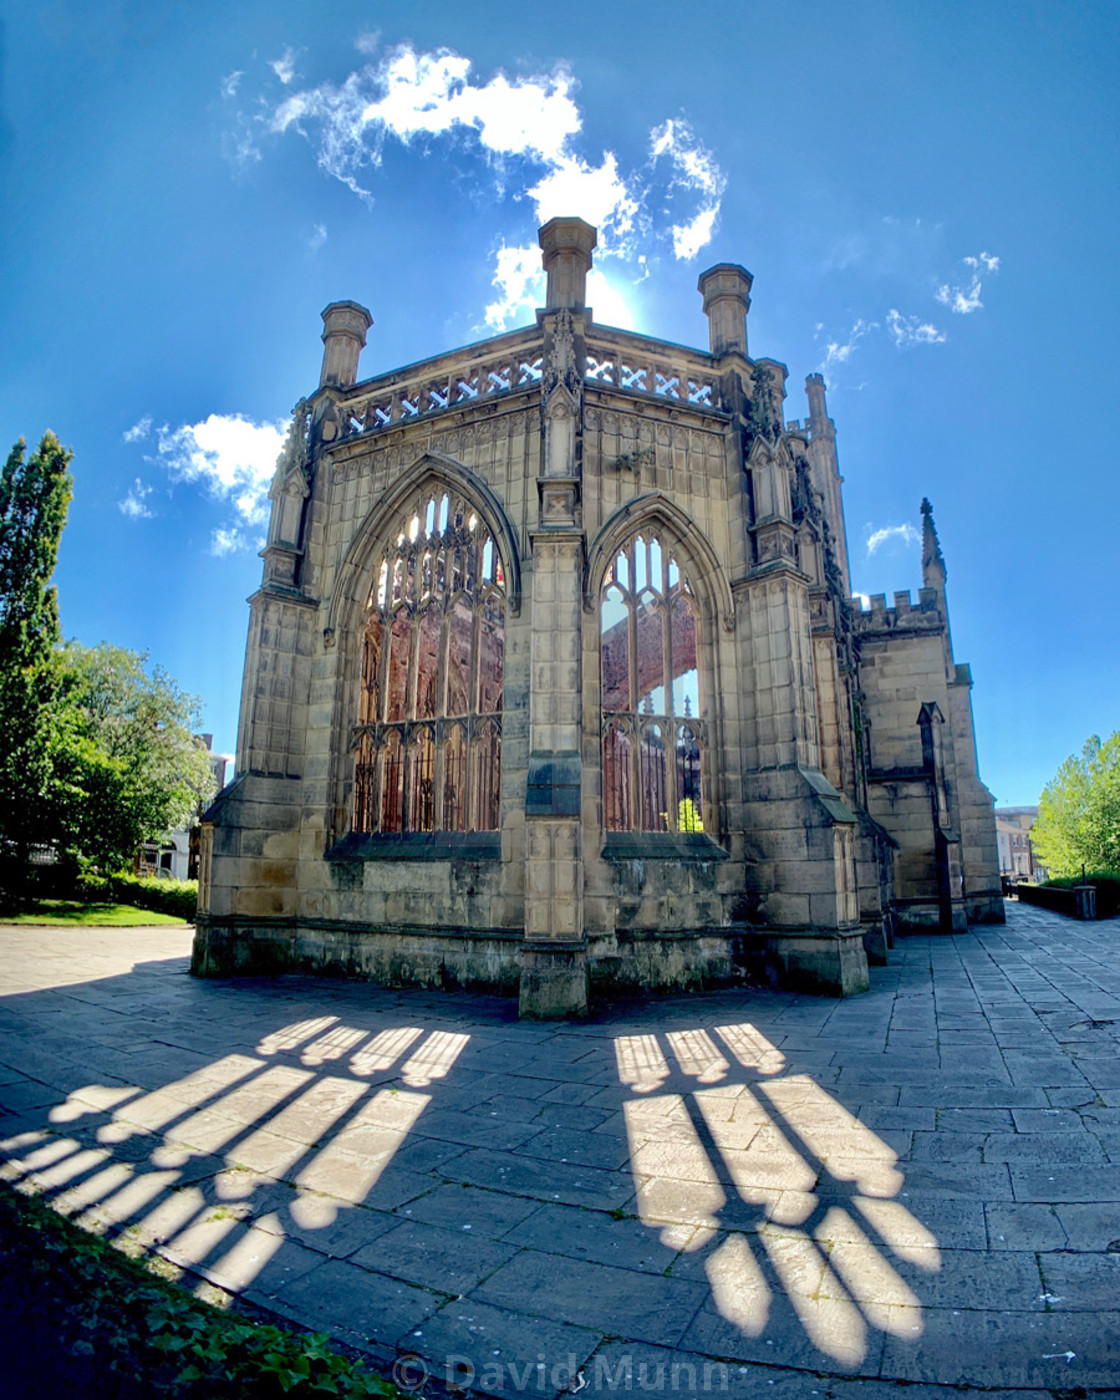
(820, 424)
(726, 291)
(567, 245)
(345, 325)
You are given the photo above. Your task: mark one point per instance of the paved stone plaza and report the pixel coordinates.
(725, 1193)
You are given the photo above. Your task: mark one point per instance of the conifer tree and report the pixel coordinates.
(34, 498)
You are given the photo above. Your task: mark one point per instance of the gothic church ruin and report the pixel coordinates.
(554, 682)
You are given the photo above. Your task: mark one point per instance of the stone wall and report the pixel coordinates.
(807, 838)
(931, 801)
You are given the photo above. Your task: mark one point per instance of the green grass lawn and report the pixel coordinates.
(65, 913)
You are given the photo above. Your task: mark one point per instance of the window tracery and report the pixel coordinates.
(654, 740)
(428, 738)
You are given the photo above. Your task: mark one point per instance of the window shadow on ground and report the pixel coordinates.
(367, 1161)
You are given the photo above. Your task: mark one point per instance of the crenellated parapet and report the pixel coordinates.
(905, 615)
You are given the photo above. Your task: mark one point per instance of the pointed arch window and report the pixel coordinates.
(428, 739)
(654, 736)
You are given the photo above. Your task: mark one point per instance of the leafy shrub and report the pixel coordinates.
(1060, 900)
(178, 898)
(94, 889)
(107, 1326)
(1105, 882)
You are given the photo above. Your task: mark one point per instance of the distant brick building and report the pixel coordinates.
(1017, 857)
(553, 680)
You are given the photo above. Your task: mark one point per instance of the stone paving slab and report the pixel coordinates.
(747, 1192)
(501, 1352)
(450, 1260)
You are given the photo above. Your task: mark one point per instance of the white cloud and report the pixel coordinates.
(964, 300)
(608, 300)
(849, 250)
(519, 278)
(900, 245)
(317, 238)
(133, 504)
(138, 430)
(960, 300)
(234, 458)
(694, 164)
(887, 247)
(430, 93)
(911, 330)
(285, 66)
(596, 193)
(525, 130)
(228, 541)
(697, 175)
(230, 85)
(410, 94)
(892, 534)
(239, 142)
(840, 352)
(688, 239)
(863, 599)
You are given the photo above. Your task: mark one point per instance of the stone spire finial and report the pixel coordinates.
(726, 289)
(934, 571)
(567, 245)
(345, 324)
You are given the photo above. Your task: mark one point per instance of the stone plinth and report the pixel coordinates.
(553, 980)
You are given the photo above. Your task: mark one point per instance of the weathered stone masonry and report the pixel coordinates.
(553, 681)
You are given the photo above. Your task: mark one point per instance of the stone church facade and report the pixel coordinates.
(554, 682)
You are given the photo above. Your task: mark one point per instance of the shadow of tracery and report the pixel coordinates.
(310, 1138)
(794, 1201)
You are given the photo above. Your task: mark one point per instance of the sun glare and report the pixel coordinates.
(610, 302)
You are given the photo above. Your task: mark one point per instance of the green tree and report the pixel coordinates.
(688, 818)
(1079, 812)
(128, 767)
(98, 753)
(34, 498)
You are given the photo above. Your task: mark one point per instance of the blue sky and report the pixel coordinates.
(926, 195)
